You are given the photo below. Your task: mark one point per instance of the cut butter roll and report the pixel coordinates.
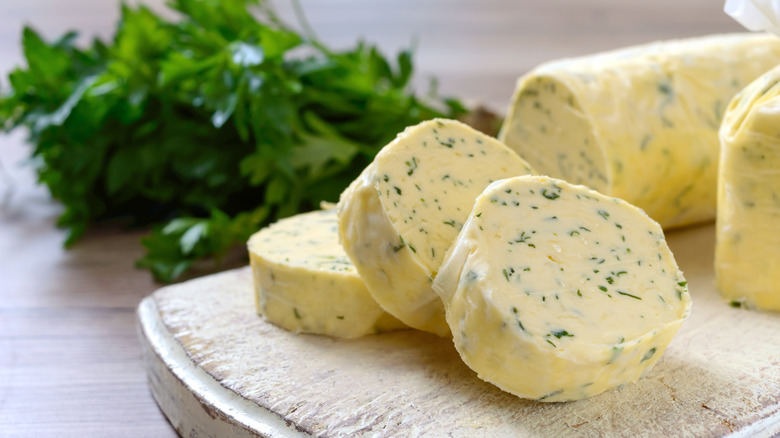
(639, 123)
(555, 292)
(397, 220)
(304, 281)
(747, 250)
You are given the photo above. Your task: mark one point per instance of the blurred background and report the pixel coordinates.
(477, 49)
(69, 358)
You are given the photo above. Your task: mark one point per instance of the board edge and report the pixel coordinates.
(193, 401)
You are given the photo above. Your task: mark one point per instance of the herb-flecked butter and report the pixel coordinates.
(397, 220)
(640, 123)
(304, 281)
(747, 249)
(556, 292)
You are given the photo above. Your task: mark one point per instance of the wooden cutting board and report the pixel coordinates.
(217, 369)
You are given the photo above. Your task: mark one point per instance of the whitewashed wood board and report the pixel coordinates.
(217, 369)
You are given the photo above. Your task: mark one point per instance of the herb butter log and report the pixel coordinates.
(304, 281)
(747, 250)
(397, 220)
(555, 292)
(640, 123)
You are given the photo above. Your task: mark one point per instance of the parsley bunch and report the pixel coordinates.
(208, 126)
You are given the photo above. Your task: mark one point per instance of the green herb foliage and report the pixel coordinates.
(208, 126)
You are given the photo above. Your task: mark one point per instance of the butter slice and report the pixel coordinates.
(397, 220)
(304, 281)
(747, 250)
(640, 123)
(555, 292)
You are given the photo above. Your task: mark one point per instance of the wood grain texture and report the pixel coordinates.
(70, 363)
(719, 377)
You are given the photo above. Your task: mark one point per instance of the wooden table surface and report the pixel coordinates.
(69, 359)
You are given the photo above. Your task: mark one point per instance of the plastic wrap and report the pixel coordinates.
(640, 123)
(756, 15)
(747, 252)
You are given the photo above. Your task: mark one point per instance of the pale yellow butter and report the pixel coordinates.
(397, 220)
(555, 292)
(747, 252)
(304, 282)
(639, 123)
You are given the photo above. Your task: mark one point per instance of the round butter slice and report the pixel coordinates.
(556, 292)
(397, 220)
(304, 282)
(747, 249)
(640, 123)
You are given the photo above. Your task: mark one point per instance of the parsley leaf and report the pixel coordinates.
(208, 126)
